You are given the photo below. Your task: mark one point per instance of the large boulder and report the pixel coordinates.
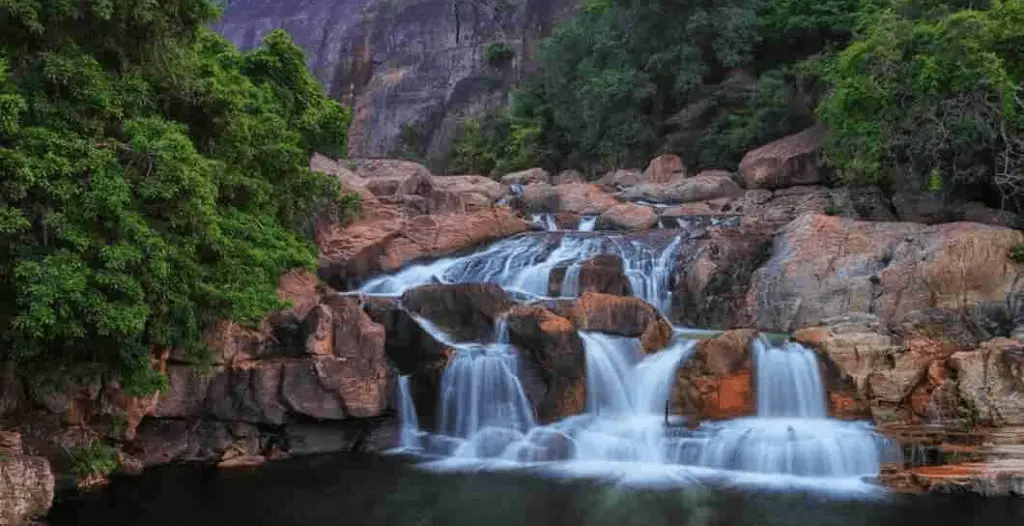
(822, 267)
(628, 217)
(526, 177)
(619, 315)
(789, 161)
(385, 243)
(569, 198)
(716, 382)
(698, 188)
(26, 483)
(664, 169)
(554, 357)
(466, 311)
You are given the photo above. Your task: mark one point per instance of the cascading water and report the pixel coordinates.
(523, 264)
(544, 222)
(587, 224)
(410, 426)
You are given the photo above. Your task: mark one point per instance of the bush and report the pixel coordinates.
(932, 94)
(499, 54)
(97, 458)
(150, 186)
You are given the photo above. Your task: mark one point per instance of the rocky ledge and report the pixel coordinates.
(26, 482)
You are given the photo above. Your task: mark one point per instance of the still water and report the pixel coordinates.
(389, 491)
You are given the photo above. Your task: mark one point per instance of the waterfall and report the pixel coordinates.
(544, 222)
(791, 434)
(649, 272)
(610, 360)
(587, 223)
(410, 426)
(788, 382)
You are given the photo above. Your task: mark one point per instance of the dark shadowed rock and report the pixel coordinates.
(466, 311)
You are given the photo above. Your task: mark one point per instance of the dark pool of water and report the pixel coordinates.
(387, 491)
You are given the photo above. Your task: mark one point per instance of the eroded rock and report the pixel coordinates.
(623, 316)
(707, 185)
(628, 217)
(26, 482)
(717, 381)
(467, 311)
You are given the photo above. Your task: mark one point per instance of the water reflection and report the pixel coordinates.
(375, 491)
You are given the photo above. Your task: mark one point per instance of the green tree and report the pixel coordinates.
(154, 180)
(932, 93)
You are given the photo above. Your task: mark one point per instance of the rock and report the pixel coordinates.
(350, 253)
(716, 382)
(990, 381)
(620, 179)
(603, 274)
(978, 213)
(554, 351)
(349, 180)
(26, 482)
(623, 316)
(902, 379)
(299, 287)
(583, 199)
(824, 267)
(789, 161)
(414, 352)
(996, 478)
(861, 202)
(526, 177)
(568, 176)
(714, 276)
(664, 169)
(569, 198)
(471, 184)
(242, 462)
(698, 188)
(627, 216)
(466, 311)
(234, 343)
(371, 169)
(185, 396)
(329, 388)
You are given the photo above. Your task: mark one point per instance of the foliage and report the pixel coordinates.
(1017, 253)
(624, 75)
(96, 458)
(932, 93)
(496, 144)
(499, 54)
(154, 180)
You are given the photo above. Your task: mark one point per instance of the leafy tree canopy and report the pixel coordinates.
(154, 179)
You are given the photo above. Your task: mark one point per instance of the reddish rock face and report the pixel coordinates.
(555, 355)
(789, 161)
(623, 316)
(602, 274)
(466, 311)
(716, 382)
(628, 217)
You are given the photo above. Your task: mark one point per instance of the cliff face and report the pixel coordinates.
(420, 65)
